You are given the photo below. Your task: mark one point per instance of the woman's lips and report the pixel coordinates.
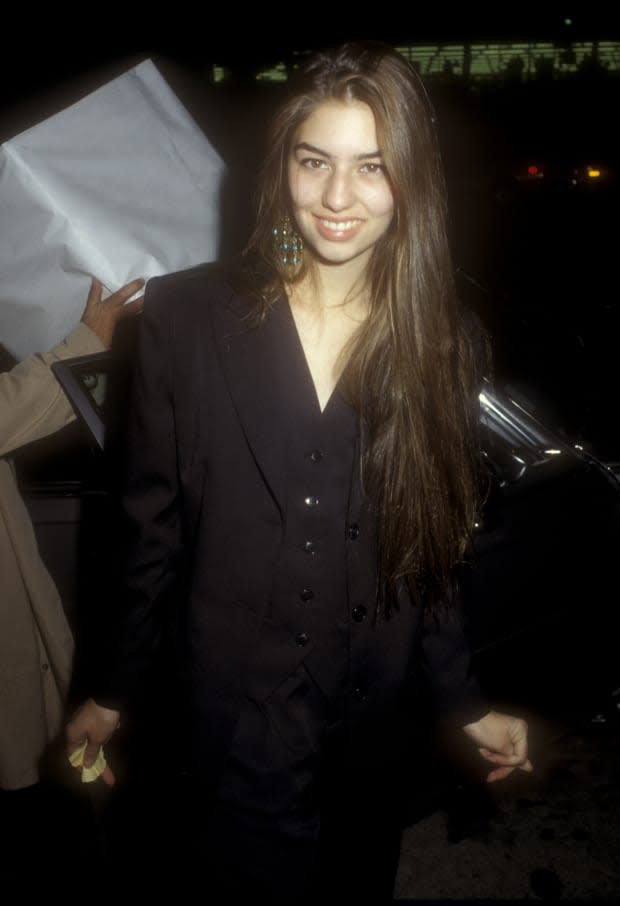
(338, 230)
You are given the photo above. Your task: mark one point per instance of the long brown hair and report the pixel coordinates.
(410, 370)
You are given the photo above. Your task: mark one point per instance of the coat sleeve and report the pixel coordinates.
(151, 512)
(454, 687)
(455, 692)
(32, 402)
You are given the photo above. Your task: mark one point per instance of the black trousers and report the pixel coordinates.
(305, 811)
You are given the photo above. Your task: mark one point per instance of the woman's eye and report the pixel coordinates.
(313, 163)
(372, 168)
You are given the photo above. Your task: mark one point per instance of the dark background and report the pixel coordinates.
(538, 261)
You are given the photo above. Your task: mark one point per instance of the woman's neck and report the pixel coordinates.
(327, 288)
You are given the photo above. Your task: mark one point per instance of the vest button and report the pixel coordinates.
(353, 531)
(316, 456)
(359, 694)
(302, 640)
(310, 547)
(306, 594)
(311, 501)
(359, 613)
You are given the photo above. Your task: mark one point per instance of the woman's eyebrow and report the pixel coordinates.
(305, 146)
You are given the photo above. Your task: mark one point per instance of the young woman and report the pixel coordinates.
(301, 483)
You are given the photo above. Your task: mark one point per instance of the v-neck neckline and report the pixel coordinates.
(301, 354)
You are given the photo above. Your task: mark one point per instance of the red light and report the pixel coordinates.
(532, 170)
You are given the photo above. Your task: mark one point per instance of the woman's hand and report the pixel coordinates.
(502, 740)
(94, 725)
(102, 317)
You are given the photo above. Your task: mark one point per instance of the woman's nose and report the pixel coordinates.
(338, 192)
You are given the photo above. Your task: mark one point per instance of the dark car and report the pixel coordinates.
(541, 595)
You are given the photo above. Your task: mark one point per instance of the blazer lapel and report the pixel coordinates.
(265, 370)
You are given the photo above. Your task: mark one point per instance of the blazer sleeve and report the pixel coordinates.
(151, 510)
(453, 686)
(32, 402)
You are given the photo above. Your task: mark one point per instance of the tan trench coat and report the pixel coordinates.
(36, 646)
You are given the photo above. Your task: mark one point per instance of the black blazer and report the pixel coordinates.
(212, 398)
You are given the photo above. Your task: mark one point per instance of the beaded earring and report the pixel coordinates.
(287, 243)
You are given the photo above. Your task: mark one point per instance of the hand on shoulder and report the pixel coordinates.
(103, 316)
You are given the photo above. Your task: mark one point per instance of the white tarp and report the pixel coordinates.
(122, 184)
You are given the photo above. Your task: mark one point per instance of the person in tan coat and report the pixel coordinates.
(36, 644)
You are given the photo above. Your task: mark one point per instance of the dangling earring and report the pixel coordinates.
(287, 243)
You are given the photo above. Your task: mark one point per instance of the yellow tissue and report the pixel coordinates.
(76, 758)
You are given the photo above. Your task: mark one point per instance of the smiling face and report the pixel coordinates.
(341, 198)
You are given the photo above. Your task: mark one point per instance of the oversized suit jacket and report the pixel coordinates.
(213, 404)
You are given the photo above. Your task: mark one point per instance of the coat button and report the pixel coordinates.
(306, 594)
(353, 531)
(316, 456)
(311, 501)
(310, 547)
(359, 694)
(302, 640)
(359, 613)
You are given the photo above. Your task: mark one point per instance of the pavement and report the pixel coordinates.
(552, 835)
